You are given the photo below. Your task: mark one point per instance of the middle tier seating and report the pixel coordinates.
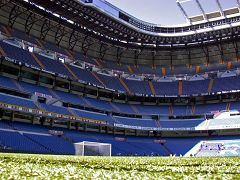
(138, 87)
(166, 88)
(180, 123)
(113, 106)
(23, 102)
(135, 122)
(8, 99)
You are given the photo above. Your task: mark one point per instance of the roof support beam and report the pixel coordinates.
(236, 47)
(3, 3)
(119, 54)
(31, 19)
(87, 42)
(60, 33)
(201, 9)
(137, 52)
(103, 49)
(153, 59)
(73, 39)
(183, 11)
(15, 12)
(220, 8)
(46, 27)
(189, 57)
(235, 41)
(171, 58)
(238, 3)
(206, 52)
(220, 48)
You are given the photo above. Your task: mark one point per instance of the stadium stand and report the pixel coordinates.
(166, 88)
(192, 123)
(112, 106)
(18, 54)
(195, 87)
(147, 95)
(35, 138)
(8, 99)
(114, 83)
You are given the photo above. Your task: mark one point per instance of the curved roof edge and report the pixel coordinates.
(107, 7)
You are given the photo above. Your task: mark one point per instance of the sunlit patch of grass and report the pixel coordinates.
(18, 166)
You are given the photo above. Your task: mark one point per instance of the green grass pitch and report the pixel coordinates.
(25, 166)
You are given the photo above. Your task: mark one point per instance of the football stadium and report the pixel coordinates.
(89, 91)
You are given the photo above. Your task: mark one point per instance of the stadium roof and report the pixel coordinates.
(101, 20)
(173, 12)
(152, 11)
(106, 32)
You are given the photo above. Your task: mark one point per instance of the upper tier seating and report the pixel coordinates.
(18, 54)
(23, 36)
(54, 48)
(87, 59)
(226, 84)
(166, 88)
(195, 87)
(85, 75)
(54, 66)
(138, 87)
(111, 82)
(113, 65)
(141, 69)
(144, 70)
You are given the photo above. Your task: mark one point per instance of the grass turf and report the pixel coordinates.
(20, 166)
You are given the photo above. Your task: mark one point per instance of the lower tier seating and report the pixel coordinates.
(25, 137)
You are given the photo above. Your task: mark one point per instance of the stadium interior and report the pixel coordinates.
(107, 77)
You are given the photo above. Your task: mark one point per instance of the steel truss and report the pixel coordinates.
(77, 34)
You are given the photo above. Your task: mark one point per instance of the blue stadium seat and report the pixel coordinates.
(18, 54)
